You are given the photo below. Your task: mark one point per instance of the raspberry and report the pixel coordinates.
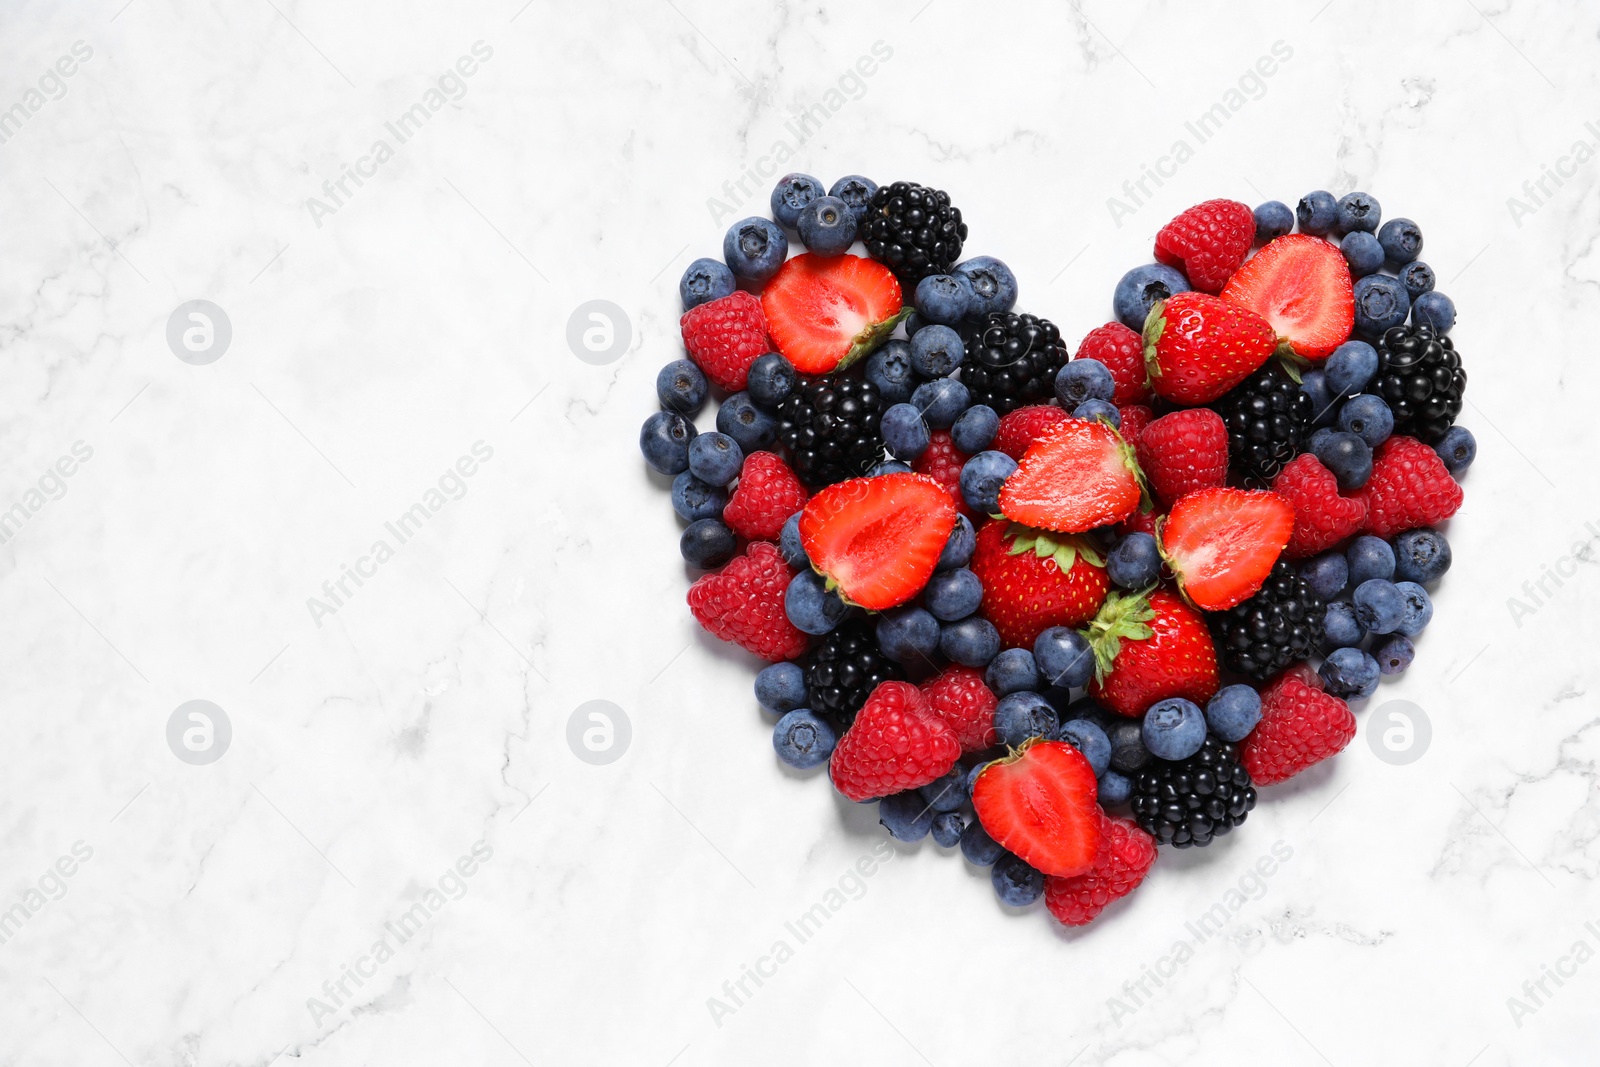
(725, 336)
(1184, 451)
(1322, 518)
(1299, 726)
(942, 461)
(1122, 351)
(1020, 428)
(1127, 857)
(743, 603)
(959, 697)
(1135, 417)
(1208, 242)
(1410, 487)
(895, 744)
(764, 497)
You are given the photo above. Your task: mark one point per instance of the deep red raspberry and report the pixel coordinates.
(1322, 518)
(895, 744)
(743, 603)
(764, 497)
(725, 336)
(942, 461)
(1208, 242)
(1410, 487)
(1299, 726)
(1122, 351)
(1184, 451)
(1135, 417)
(959, 697)
(1020, 428)
(1126, 859)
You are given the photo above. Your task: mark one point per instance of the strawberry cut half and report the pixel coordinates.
(826, 312)
(1301, 285)
(1077, 477)
(1221, 543)
(877, 540)
(1040, 804)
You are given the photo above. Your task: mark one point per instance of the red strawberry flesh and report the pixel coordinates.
(1222, 543)
(825, 312)
(1041, 806)
(877, 540)
(1080, 476)
(1301, 285)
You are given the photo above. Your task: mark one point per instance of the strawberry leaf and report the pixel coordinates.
(1154, 324)
(870, 338)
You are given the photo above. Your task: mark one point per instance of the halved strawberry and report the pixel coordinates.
(1077, 477)
(1301, 285)
(877, 540)
(826, 312)
(1221, 543)
(1040, 804)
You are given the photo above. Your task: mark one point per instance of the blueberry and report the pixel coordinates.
(1421, 556)
(1401, 240)
(1363, 252)
(1103, 410)
(856, 192)
(1358, 212)
(1015, 883)
(990, 284)
(1436, 310)
(1395, 654)
(1350, 367)
(972, 775)
(715, 458)
(1349, 673)
(802, 739)
(959, 548)
(790, 196)
(889, 369)
(781, 688)
(1084, 379)
(826, 226)
(1128, 753)
(975, 428)
(936, 351)
(889, 466)
(947, 828)
(811, 605)
(1064, 658)
(1087, 737)
(1174, 728)
(1135, 563)
(707, 543)
(941, 401)
(681, 386)
(904, 432)
(971, 642)
(906, 816)
(705, 280)
(978, 846)
(1369, 557)
(1458, 448)
(1380, 607)
(1273, 219)
(694, 500)
(1317, 213)
(942, 298)
(981, 479)
(753, 426)
(1381, 303)
(1314, 383)
(754, 249)
(1327, 574)
(1419, 609)
(1368, 417)
(1020, 716)
(1340, 627)
(914, 322)
(1319, 438)
(771, 379)
(1347, 456)
(1142, 287)
(952, 595)
(1115, 788)
(946, 793)
(909, 635)
(1233, 712)
(1012, 671)
(664, 439)
(1417, 278)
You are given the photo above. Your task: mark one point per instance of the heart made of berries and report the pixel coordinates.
(1059, 611)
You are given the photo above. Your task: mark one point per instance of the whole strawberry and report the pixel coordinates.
(1184, 451)
(1033, 580)
(766, 494)
(1125, 861)
(1019, 429)
(942, 461)
(1322, 518)
(1410, 487)
(1208, 242)
(1197, 347)
(959, 696)
(1300, 726)
(1122, 351)
(896, 743)
(1148, 647)
(725, 336)
(743, 603)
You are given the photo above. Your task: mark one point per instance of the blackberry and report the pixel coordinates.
(1188, 802)
(1421, 379)
(913, 230)
(845, 669)
(1269, 422)
(1279, 625)
(830, 427)
(1011, 360)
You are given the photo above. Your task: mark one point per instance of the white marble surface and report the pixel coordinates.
(428, 312)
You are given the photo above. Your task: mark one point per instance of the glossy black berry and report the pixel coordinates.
(1011, 360)
(1269, 423)
(1274, 628)
(1189, 802)
(829, 426)
(913, 230)
(1421, 378)
(845, 669)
